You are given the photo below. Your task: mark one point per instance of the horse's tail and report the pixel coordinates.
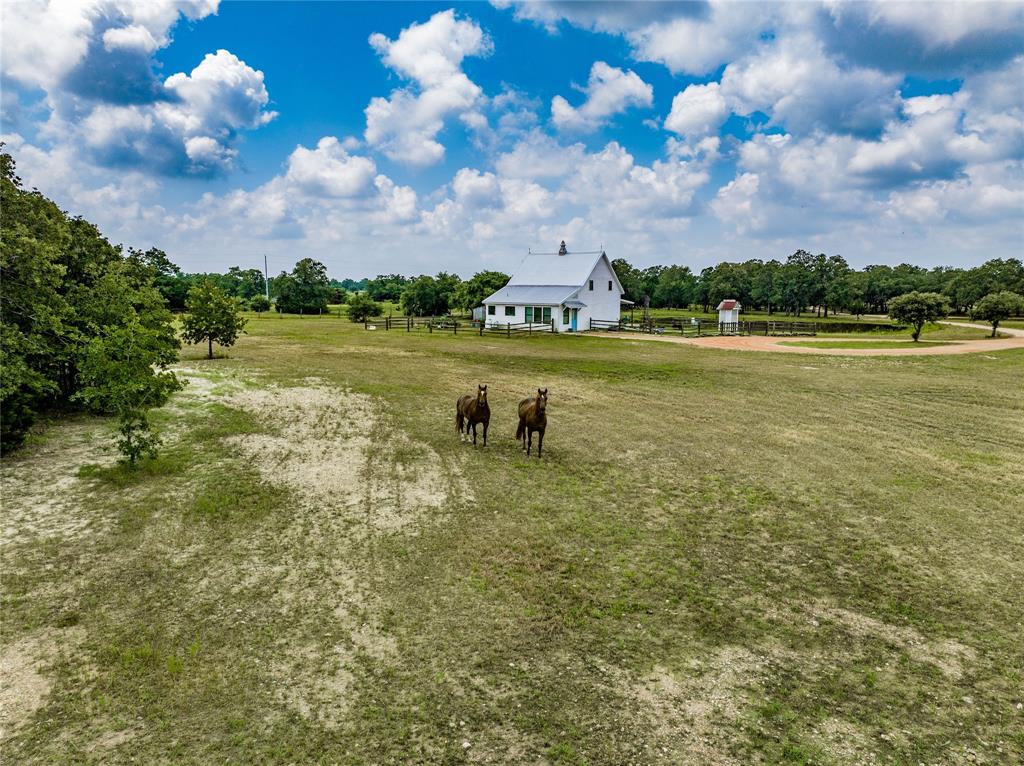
(521, 428)
(459, 419)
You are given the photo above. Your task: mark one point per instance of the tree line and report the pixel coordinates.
(819, 282)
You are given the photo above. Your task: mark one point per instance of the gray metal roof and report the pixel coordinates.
(551, 269)
(536, 295)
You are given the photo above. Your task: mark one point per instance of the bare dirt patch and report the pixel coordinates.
(693, 715)
(334, 451)
(949, 656)
(24, 679)
(40, 487)
(351, 475)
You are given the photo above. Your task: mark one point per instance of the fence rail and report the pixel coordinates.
(523, 328)
(430, 324)
(695, 328)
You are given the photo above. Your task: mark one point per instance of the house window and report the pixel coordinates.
(565, 316)
(529, 314)
(490, 310)
(591, 284)
(547, 314)
(510, 311)
(609, 284)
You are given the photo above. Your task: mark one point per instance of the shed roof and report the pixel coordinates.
(533, 295)
(729, 305)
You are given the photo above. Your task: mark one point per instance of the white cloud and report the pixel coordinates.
(609, 91)
(44, 41)
(538, 155)
(329, 170)
(734, 202)
(936, 24)
(699, 44)
(191, 134)
(405, 125)
(983, 193)
(801, 88)
(698, 110)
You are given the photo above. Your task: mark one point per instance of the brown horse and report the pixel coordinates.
(532, 417)
(470, 410)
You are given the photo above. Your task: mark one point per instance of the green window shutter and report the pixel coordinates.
(547, 314)
(565, 316)
(529, 314)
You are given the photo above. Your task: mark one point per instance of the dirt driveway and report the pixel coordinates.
(769, 343)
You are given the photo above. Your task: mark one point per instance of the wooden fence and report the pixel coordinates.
(454, 325)
(696, 328)
(524, 328)
(429, 324)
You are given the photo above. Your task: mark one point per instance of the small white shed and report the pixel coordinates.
(729, 311)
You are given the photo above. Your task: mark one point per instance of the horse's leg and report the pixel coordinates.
(540, 441)
(529, 440)
(486, 423)
(474, 433)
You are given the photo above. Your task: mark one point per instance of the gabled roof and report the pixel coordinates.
(542, 295)
(728, 305)
(552, 269)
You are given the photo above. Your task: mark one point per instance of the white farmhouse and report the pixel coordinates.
(567, 288)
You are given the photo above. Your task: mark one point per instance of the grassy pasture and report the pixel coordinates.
(867, 343)
(723, 558)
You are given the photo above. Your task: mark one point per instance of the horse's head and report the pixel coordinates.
(481, 395)
(542, 400)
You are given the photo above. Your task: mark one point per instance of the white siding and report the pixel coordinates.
(498, 317)
(602, 304)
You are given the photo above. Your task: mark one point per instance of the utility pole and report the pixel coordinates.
(266, 278)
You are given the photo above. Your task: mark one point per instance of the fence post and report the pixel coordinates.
(508, 330)
(455, 327)
(482, 328)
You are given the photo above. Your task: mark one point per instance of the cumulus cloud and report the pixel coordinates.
(324, 192)
(329, 170)
(191, 132)
(94, 63)
(697, 110)
(897, 36)
(609, 90)
(405, 125)
(801, 88)
(538, 155)
(55, 44)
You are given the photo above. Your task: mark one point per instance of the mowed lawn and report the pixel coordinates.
(722, 558)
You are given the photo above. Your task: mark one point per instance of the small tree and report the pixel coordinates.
(259, 304)
(124, 372)
(917, 309)
(212, 316)
(361, 306)
(995, 307)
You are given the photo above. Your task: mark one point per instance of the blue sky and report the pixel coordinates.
(417, 137)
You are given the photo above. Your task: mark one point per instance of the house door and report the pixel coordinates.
(573, 324)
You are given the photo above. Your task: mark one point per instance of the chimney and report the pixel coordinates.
(561, 249)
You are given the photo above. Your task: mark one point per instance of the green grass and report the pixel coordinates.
(722, 557)
(869, 343)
